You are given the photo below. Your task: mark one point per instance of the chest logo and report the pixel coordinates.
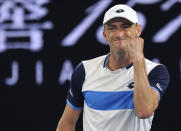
(131, 85)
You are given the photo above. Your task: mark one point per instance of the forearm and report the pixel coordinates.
(69, 119)
(64, 126)
(143, 95)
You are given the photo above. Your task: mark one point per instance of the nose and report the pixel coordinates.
(121, 33)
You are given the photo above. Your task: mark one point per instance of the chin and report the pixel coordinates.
(121, 51)
(121, 46)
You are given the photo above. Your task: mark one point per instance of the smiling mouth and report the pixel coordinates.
(119, 39)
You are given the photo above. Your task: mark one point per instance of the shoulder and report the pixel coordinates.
(159, 78)
(78, 73)
(160, 71)
(95, 62)
(85, 65)
(155, 67)
(152, 66)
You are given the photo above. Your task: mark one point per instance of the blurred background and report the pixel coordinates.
(41, 42)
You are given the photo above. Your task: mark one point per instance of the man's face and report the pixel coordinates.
(119, 32)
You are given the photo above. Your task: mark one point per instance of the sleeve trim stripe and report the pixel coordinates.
(72, 106)
(156, 90)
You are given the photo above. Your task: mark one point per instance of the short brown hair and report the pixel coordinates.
(125, 21)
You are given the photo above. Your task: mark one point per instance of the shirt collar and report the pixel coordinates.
(106, 61)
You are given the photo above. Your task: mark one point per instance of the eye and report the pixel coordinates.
(111, 28)
(125, 26)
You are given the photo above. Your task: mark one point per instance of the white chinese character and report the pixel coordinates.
(16, 21)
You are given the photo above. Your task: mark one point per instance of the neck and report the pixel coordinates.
(118, 60)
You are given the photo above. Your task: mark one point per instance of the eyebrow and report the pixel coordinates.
(122, 25)
(110, 25)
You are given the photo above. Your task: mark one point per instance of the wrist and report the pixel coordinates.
(138, 58)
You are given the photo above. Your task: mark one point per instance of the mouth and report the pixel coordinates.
(120, 38)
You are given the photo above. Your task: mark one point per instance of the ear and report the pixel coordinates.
(139, 30)
(104, 34)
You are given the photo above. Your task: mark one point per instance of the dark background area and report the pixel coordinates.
(27, 106)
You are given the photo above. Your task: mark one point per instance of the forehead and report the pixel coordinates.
(119, 19)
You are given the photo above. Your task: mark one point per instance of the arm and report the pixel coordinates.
(146, 99)
(68, 119)
(75, 101)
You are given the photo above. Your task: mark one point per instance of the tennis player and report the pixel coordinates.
(119, 91)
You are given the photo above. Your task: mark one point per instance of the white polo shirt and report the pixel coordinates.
(107, 96)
